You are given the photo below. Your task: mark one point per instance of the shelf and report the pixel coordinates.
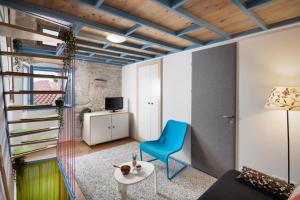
(29, 107)
(18, 32)
(36, 119)
(35, 92)
(32, 75)
(27, 131)
(16, 54)
(22, 151)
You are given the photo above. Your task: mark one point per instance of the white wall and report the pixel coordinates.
(177, 87)
(264, 62)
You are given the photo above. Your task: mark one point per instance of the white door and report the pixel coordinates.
(100, 129)
(149, 94)
(155, 91)
(143, 103)
(120, 123)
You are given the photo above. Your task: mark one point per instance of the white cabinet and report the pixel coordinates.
(149, 101)
(99, 127)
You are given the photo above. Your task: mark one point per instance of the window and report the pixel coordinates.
(45, 84)
(50, 32)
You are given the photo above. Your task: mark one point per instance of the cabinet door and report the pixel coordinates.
(120, 125)
(100, 129)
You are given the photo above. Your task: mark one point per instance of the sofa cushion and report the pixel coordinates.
(296, 193)
(275, 187)
(227, 188)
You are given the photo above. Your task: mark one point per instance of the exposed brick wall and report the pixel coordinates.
(90, 93)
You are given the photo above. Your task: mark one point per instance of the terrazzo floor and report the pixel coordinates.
(94, 175)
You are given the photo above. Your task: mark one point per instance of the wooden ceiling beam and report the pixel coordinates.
(257, 3)
(112, 48)
(77, 28)
(99, 3)
(140, 21)
(125, 44)
(193, 18)
(177, 3)
(46, 51)
(87, 59)
(189, 29)
(133, 29)
(34, 8)
(242, 7)
(99, 55)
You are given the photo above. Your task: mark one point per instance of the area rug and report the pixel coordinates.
(95, 177)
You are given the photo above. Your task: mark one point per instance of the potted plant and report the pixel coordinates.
(81, 115)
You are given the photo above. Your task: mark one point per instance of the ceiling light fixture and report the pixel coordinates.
(115, 38)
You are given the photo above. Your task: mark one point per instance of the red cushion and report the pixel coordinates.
(296, 197)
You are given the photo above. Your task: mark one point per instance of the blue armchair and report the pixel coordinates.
(170, 141)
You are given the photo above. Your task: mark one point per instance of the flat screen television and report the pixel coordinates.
(113, 103)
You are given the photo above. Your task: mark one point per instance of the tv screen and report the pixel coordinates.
(113, 103)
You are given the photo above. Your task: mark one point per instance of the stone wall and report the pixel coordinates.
(90, 93)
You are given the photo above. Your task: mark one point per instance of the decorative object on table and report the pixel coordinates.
(134, 156)
(288, 99)
(170, 141)
(138, 170)
(125, 169)
(274, 187)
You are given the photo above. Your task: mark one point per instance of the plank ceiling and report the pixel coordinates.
(158, 27)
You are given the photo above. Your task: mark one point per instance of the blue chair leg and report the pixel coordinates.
(176, 172)
(141, 154)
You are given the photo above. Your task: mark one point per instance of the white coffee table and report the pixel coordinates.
(130, 179)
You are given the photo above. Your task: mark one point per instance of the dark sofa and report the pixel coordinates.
(227, 188)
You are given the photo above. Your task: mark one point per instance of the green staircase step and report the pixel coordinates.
(25, 107)
(25, 150)
(26, 131)
(42, 138)
(40, 117)
(36, 119)
(51, 137)
(21, 74)
(35, 92)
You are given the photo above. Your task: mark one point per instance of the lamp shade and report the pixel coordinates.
(284, 98)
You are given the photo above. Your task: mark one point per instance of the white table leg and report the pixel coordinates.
(155, 181)
(123, 190)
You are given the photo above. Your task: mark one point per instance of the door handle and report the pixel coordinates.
(228, 116)
(108, 127)
(113, 127)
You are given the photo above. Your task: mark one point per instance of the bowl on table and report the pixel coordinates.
(125, 169)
